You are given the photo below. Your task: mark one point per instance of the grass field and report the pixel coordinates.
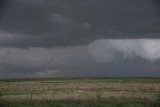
(80, 92)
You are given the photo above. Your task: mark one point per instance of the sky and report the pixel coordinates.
(79, 38)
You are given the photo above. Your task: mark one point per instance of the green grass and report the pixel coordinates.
(86, 79)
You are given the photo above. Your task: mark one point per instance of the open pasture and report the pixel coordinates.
(104, 91)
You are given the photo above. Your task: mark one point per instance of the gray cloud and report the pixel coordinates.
(94, 59)
(107, 50)
(79, 38)
(32, 60)
(69, 23)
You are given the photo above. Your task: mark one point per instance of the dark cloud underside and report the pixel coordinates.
(48, 23)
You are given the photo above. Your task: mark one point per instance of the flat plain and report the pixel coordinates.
(80, 92)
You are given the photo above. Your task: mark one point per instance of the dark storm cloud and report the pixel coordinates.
(75, 22)
(79, 38)
(2, 6)
(2, 3)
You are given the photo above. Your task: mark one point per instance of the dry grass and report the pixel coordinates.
(81, 89)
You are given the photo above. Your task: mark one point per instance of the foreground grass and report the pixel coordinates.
(72, 104)
(80, 92)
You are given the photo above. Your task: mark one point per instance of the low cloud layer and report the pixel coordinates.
(107, 50)
(74, 59)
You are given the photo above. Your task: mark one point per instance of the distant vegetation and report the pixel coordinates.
(80, 92)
